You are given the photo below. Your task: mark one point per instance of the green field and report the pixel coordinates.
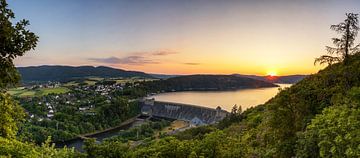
(94, 80)
(71, 83)
(22, 92)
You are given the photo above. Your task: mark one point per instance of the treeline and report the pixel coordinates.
(66, 73)
(202, 83)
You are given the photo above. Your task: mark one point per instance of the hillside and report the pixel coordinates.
(65, 73)
(164, 76)
(289, 79)
(288, 115)
(317, 117)
(206, 82)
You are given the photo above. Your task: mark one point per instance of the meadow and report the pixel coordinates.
(24, 92)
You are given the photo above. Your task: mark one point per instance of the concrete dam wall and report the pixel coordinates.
(194, 114)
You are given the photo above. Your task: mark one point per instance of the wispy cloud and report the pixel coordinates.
(192, 64)
(129, 60)
(140, 58)
(163, 53)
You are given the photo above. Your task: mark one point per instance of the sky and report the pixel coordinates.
(259, 37)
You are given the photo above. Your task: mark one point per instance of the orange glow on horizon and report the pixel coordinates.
(271, 73)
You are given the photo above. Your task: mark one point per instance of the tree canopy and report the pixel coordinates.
(15, 40)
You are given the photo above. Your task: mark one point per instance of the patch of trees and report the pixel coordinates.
(144, 131)
(68, 73)
(203, 83)
(68, 121)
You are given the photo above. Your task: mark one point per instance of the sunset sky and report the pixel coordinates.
(183, 36)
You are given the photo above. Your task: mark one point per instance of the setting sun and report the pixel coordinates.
(271, 73)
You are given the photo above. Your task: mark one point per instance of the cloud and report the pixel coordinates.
(138, 58)
(129, 60)
(163, 53)
(192, 64)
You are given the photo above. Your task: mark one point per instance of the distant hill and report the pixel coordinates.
(163, 76)
(291, 79)
(206, 82)
(66, 73)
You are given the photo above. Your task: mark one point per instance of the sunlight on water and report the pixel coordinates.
(225, 99)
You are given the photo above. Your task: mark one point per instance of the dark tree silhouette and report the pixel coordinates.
(344, 46)
(15, 40)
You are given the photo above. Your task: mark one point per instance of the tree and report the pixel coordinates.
(10, 114)
(334, 133)
(15, 40)
(345, 44)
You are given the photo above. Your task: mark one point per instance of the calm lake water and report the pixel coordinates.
(225, 99)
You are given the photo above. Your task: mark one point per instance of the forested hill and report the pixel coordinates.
(289, 79)
(317, 117)
(206, 82)
(65, 73)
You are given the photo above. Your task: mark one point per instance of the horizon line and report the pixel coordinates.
(152, 73)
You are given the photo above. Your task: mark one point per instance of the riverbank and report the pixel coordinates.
(78, 141)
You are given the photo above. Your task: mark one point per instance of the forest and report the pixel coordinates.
(203, 83)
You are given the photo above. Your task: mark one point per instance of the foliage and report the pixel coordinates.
(15, 40)
(141, 132)
(195, 133)
(11, 114)
(69, 122)
(108, 149)
(334, 132)
(15, 148)
(234, 117)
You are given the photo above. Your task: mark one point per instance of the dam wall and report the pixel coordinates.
(194, 114)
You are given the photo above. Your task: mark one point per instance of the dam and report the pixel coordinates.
(196, 115)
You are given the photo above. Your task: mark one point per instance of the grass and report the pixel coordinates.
(22, 92)
(90, 82)
(46, 91)
(71, 83)
(94, 80)
(27, 94)
(16, 91)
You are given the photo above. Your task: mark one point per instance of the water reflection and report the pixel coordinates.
(225, 99)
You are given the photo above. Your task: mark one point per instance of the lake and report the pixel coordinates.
(225, 99)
